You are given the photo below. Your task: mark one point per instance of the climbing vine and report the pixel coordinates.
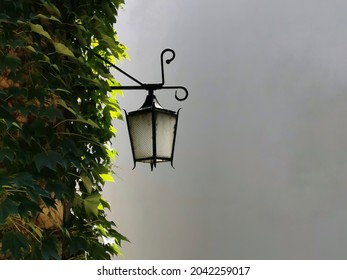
(56, 112)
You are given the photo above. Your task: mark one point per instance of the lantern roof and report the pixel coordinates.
(150, 102)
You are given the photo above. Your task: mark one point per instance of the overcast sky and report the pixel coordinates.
(261, 153)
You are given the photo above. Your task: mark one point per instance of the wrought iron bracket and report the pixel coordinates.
(149, 87)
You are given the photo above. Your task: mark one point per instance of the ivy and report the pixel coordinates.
(56, 114)
(14, 243)
(7, 208)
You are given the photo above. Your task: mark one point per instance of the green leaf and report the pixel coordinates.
(18, 91)
(89, 121)
(62, 49)
(50, 160)
(64, 105)
(35, 229)
(35, 192)
(28, 206)
(111, 153)
(59, 189)
(91, 204)
(14, 243)
(36, 251)
(69, 146)
(97, 251)
(31, 48)
(115, 249)
(87, 182)
(9, 61)
(110, 42)
(78, 244)
(22, 179)
(4, 181)
(51, 8)
(7, 208)
(62, 90)
(102, 230)
(37, 129)
(52, 113)
(4, 18)
(77, 201)
(50, 249)
(37, 28)
(105, 203)
(7, 153)
(49, 202)
(106, 177)
(41, 16)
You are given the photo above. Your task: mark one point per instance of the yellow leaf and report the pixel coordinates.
(37, 28)
(107, 177)
(62, 49)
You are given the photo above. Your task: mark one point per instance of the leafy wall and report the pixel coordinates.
(56, 112)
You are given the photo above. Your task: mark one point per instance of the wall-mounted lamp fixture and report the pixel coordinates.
(152, 129)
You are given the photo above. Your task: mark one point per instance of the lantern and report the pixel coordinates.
(152, 132)
(152, 129)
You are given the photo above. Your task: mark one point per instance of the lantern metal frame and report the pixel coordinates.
(151, 103)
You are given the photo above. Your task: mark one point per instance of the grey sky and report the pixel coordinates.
(261, 153)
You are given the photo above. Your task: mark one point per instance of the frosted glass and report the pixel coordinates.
(165, 128)
(140, 129)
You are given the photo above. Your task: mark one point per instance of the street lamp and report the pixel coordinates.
(152, 129)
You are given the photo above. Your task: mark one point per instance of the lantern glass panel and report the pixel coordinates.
(165, 131)
(140, 130)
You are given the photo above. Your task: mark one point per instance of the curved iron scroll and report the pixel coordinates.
(176, 96)
(168, 61)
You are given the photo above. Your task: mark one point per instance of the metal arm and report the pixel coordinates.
(115, 66)
(148, 87)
